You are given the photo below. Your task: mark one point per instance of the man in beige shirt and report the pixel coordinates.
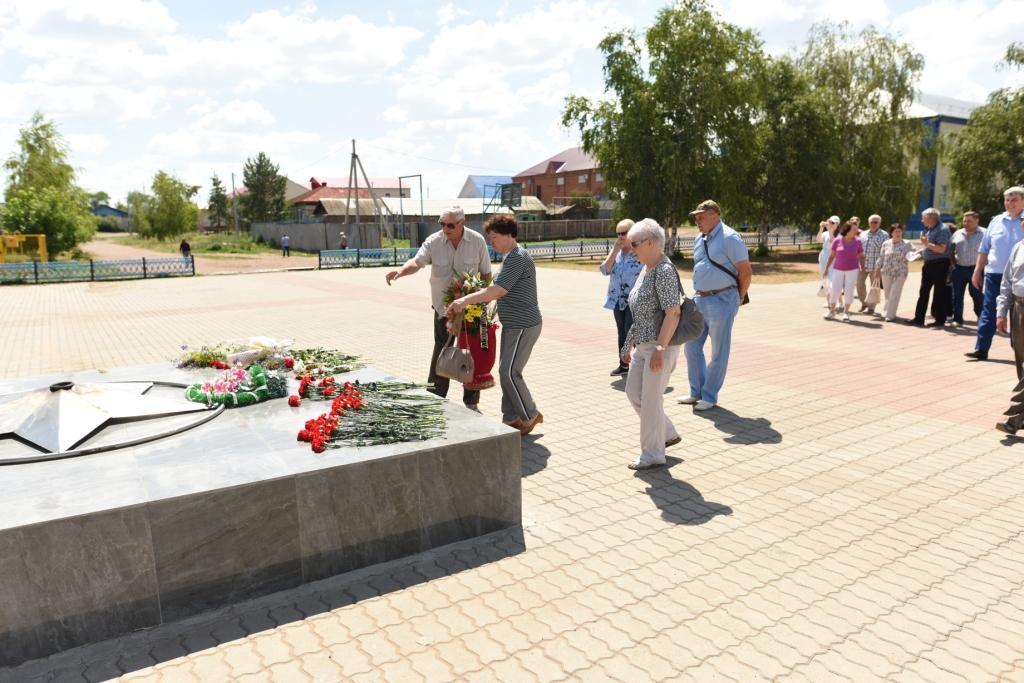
(450, 252)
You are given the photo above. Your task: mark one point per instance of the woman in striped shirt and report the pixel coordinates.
(515, 289)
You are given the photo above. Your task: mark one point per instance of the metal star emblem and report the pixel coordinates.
(58, 418)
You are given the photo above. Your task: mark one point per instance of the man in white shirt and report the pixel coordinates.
(1010, 317)
(450, 252)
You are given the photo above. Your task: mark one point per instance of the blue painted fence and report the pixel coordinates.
(38, 272)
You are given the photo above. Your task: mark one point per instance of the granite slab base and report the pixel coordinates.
(100, 545)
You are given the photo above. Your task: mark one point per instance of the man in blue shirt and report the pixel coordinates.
(934, 271)
(721, 276)
(1003, 232)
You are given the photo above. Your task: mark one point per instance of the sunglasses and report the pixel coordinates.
(639, 242)
(622, 234)
(450, 226)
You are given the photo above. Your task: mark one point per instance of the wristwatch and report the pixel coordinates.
(659, 347)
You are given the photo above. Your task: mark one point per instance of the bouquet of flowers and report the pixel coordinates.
(476, 333)
(239, 387)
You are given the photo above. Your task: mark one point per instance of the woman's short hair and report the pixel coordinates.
(896, 226)
(845, 228)
(626, 223)
(503, 224)
(648, 229)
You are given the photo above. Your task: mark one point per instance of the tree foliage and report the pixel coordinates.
(138, 204)
(987, 155)
(97, 198)
(218, 202)
(697, 109)
(41, 195)
(264, 196)
(171, 211)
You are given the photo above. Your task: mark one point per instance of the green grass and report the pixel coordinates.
(202, 243)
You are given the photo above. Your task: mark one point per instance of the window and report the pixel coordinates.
(560, 180)
(944, 196)
(582, 179)
(598, 177)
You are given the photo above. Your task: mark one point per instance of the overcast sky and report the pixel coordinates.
(442, 89)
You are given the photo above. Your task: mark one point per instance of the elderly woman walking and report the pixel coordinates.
(622, 267)
(654, 302)
(826, 233)
(515, 289)
(892, 268)
(846, 260)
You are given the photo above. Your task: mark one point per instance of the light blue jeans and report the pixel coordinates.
(719, 311)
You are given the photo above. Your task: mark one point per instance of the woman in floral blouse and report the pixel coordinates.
(892, 266)
(623, 268)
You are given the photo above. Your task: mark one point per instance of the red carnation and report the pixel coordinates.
(289, 362)
(294, 401)
(304, 435)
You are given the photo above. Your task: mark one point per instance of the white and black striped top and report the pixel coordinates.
(518, 276)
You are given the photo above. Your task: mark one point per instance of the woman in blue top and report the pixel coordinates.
(623, 267)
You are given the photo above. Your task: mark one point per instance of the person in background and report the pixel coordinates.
(342, 241)
(935, 270)
(451, 251)
(846, 260)
(185, 248)
(962, 261)
(891, 267)
(622, 267)
(655, 304)
(873, 240)
(286, 245)
(1004, 231)
(515, 289)
(827, 233)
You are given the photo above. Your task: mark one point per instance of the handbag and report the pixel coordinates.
(691, 320)
(874, 295)
(453, 362)
(822, 289)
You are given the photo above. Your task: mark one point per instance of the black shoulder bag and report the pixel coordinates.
(716, 264)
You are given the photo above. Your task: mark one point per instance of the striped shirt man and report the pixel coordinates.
(965, 246)
(518, 276)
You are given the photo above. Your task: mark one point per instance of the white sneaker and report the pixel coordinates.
(704, 405)
(846, 317)
(888, 320)
(829, 315)
(689, 400)
(643, 463)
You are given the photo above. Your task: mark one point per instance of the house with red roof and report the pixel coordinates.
(384, 187)
(571, 171)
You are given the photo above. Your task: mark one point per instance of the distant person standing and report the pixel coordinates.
(962, 260)
(873, 240)
(935, 270)
(827, 233)
(342, 241)
(185, 248)
(846, 261)
(891, 267)
(1004, 231)
(286, 245)
(623, 268)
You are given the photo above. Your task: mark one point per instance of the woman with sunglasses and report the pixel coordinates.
(654, 302)
(622, 267)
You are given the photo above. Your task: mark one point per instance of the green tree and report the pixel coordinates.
(218, 202)
(97, 198)
(138, 206)
(869, 80)
(987, 155)
(677, 128)
(171, 211)
(41, 194)
(264, 196)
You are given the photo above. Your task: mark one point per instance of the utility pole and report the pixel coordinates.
(234, 202)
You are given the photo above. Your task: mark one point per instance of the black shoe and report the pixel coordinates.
(915, 323)
(977, 355)
(1005, 428)
(621, 370)
(936, 324)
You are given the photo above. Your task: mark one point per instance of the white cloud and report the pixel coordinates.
(395, 115)
(89, 144)
(446, 14)
(238, 114)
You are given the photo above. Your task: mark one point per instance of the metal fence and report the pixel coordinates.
(38, 272)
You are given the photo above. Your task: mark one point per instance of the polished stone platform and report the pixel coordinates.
(107, 543)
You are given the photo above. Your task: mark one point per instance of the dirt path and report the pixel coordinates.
(103, 246)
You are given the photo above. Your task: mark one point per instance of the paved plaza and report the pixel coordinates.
(847, 513)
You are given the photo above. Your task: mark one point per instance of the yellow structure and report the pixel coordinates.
(17, 247)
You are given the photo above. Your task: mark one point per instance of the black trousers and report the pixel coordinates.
(623, 321)
(933, 281)
(440, 384)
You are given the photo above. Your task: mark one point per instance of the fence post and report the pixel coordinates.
(192, 260)
(35, 269)
(396, 256)
(581, 248)
(92, 272)
(359, 253)
(552, 251)
(143, 267)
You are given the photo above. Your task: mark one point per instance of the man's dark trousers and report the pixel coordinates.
(623, 321)
(933, 280)
(961, 278)
(470, 398)
(987, 319)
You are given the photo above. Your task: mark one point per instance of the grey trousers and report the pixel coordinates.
(516, 347)
(646, 393)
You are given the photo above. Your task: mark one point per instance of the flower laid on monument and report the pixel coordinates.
(370, 414)
(271, 354)
(319, 361)
(237, 387)
(476, 329)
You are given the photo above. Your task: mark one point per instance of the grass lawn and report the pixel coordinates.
(202, 243)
